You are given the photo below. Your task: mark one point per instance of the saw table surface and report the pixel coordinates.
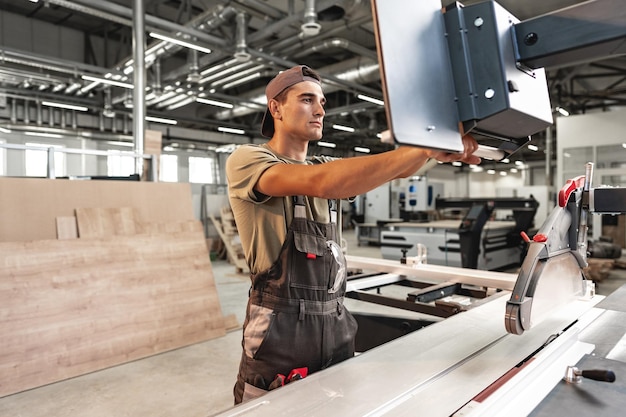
(433, 371)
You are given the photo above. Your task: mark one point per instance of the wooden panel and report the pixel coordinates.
(66, 228)
(69, 307)
(33, 204)
(94, 222)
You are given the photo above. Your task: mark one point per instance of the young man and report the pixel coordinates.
(286, 214)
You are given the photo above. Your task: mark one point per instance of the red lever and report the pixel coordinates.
(524, 236)
(540, 237)
(569, 187)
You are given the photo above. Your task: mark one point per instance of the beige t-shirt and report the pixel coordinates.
(262, 221)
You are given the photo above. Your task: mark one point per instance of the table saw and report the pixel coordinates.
(540, 342)
(543, 337)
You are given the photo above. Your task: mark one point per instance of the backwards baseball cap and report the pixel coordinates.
(280, 83)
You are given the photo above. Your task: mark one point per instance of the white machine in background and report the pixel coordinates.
(476, 241)
(420, 195)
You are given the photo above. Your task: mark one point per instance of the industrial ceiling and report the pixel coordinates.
(249, 42)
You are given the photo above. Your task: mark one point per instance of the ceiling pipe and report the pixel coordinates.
(241, 47)
(338, 43)
(50, 64)
(348, 72)
(208, 21)
(193, 70)
(262, 9)
(151, 22)
(288, 44)
(157, 88)
(292, 18)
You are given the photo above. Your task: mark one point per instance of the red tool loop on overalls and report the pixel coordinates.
(297, 373)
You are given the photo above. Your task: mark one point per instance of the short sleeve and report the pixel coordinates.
(244, 167)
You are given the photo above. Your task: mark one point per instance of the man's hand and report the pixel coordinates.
(469, 147)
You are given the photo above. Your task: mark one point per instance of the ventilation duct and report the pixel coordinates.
(310, 27)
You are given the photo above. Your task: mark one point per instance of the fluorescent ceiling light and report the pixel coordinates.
(457, 164)
(236, 82)
(44, 134)
(623, 145)
(505, 161)
(371, 99)
(230, 148)
(117, 143)
(491, 171)
(360, 149)
(214, 103)
(326, 144)
(4, 130)
(180, 104)
(161, 120)
(503, 173)
(533, 148)
(513, 170)
(180, 42)
(107, 81)
(64, 106)
(344, 128)
(519, 163)
(89, 87)
(231, 130)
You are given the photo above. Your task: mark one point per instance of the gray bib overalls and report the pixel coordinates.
(295, 316)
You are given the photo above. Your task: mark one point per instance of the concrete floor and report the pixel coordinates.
(194, 381)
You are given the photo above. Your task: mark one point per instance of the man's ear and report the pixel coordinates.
(274, 109)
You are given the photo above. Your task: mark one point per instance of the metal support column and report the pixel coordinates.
(139, 92)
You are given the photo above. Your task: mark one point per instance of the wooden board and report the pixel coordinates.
(29, 206)
(67, 228)
(69, 307)
(96, 222)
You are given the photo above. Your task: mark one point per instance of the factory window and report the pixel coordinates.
(36, 160)
(574, 160)
(119, 164)
(201, 170)
(169, 168)
(611, 156)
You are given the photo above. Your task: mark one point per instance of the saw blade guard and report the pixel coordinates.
(551, 273)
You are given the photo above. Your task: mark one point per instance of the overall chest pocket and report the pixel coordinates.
(311, 262)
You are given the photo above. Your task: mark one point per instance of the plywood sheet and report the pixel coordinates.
(69, 307)
(32, 205)
(66, 228)
(94, 222)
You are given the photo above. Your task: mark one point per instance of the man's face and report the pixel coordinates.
(302, 112)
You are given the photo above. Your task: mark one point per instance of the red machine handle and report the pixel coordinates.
(569, 187)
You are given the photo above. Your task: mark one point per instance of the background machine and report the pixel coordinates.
(475, 241)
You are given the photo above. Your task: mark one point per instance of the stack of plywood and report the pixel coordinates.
(115, 287)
